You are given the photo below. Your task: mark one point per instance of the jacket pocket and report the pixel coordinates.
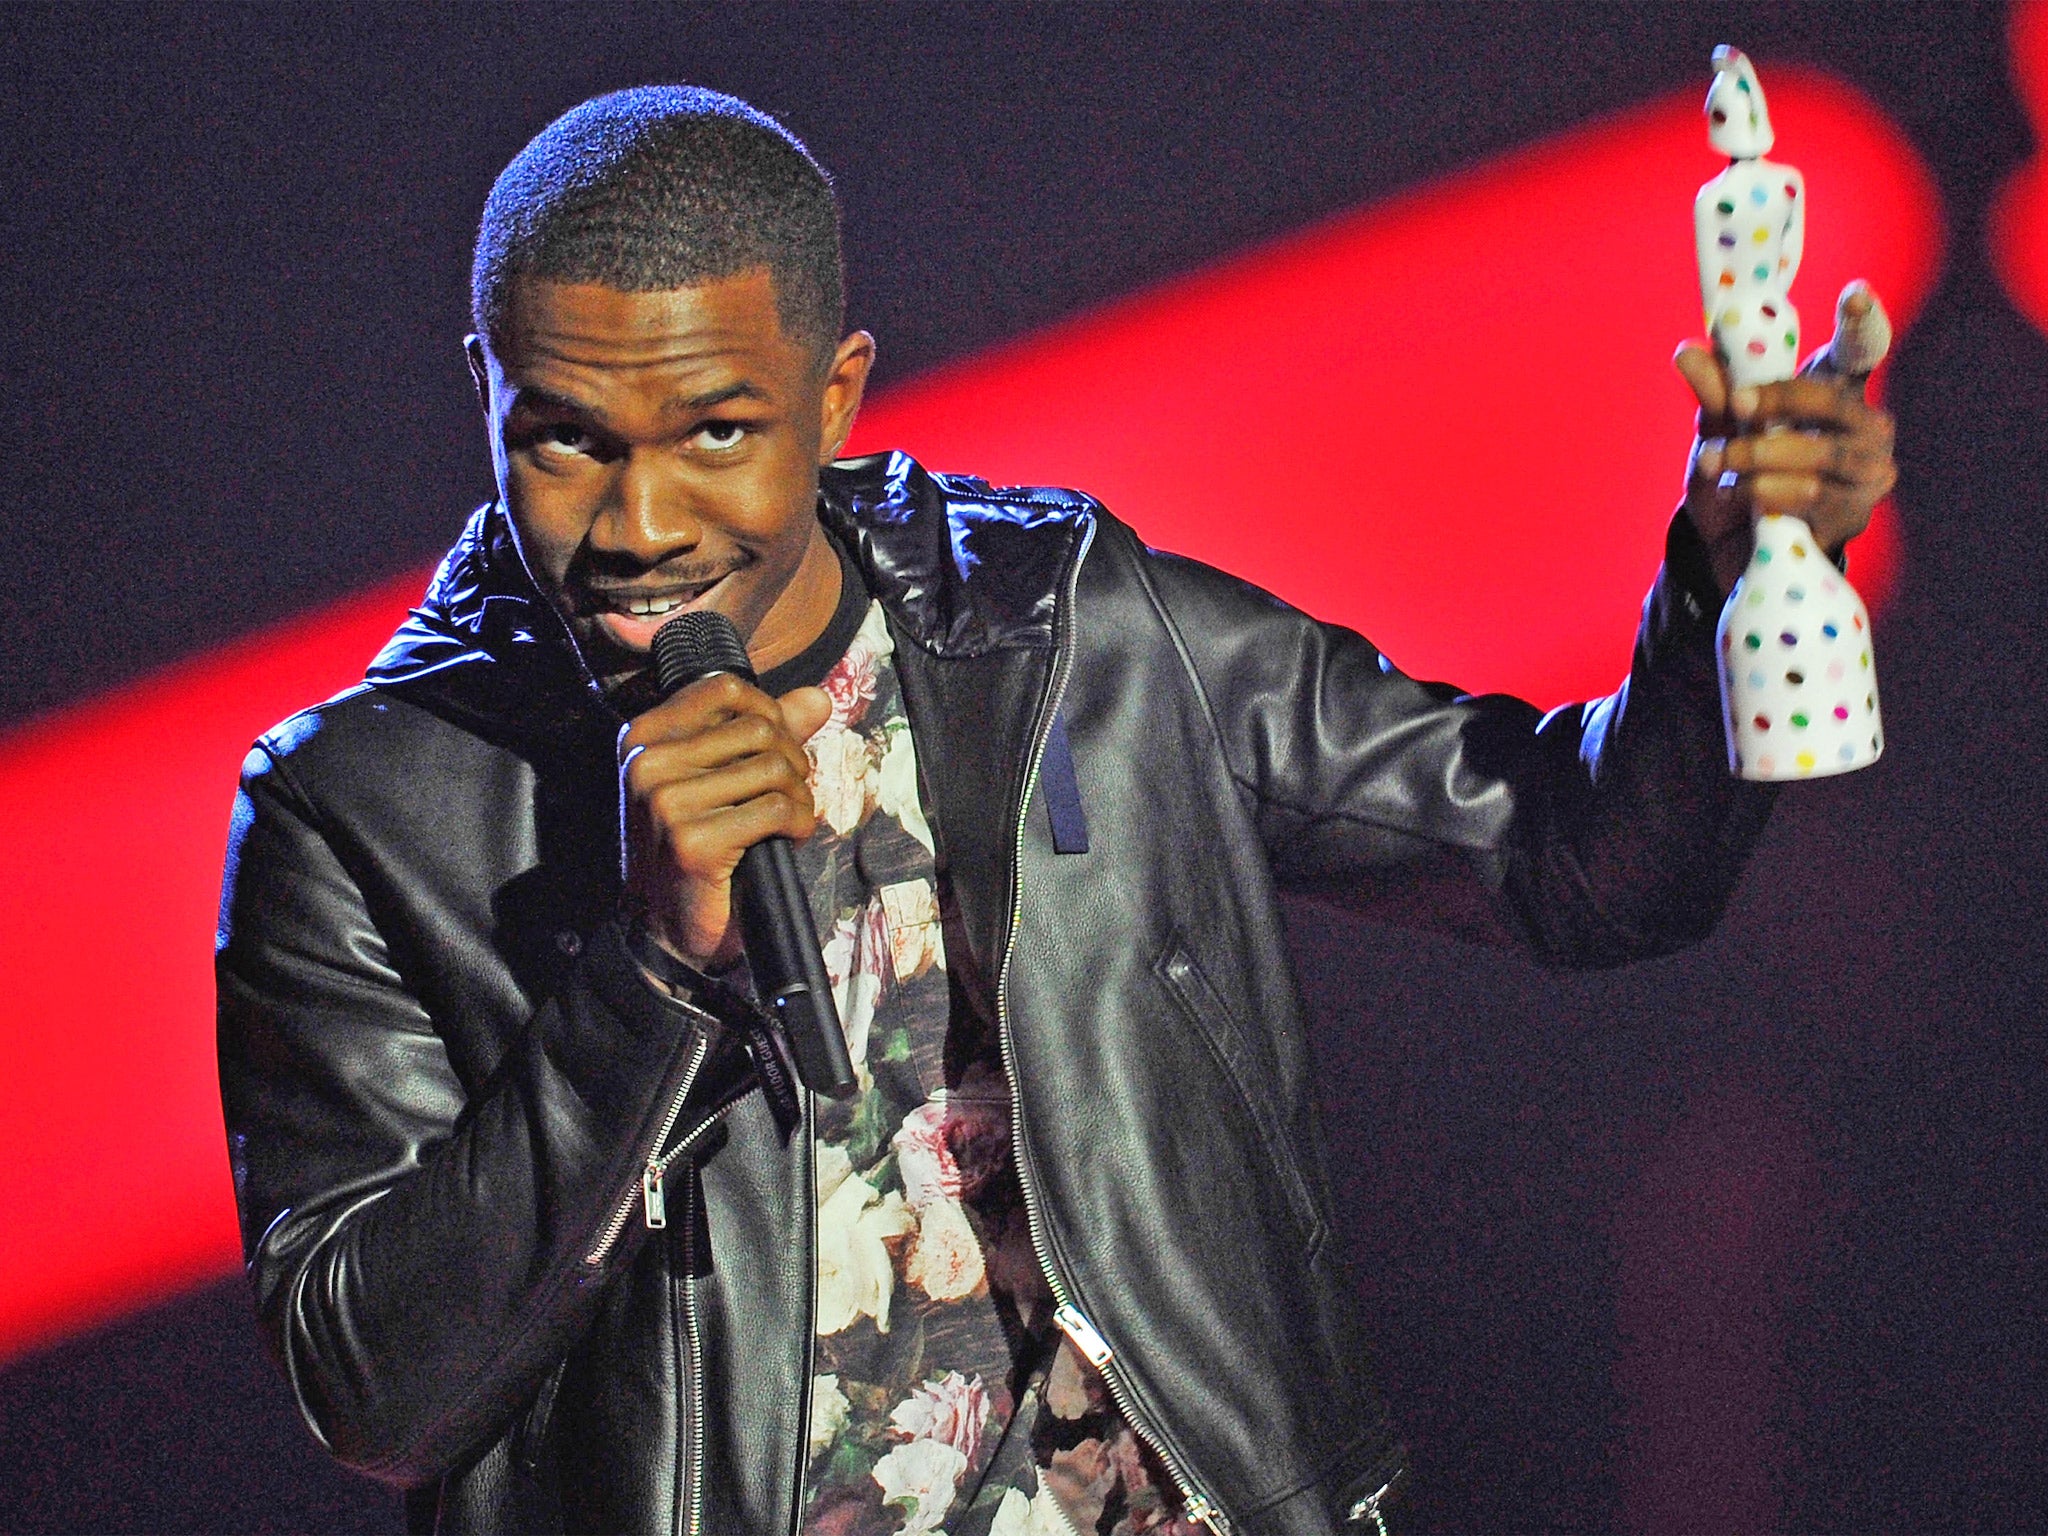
(529, 1445)
(1250, 1076)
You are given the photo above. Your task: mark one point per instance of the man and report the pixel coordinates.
(536, 1227)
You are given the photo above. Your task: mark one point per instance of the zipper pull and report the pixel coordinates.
(1371, 1507)
(1200, 1509)
(650, 1191)
(1075, 1325)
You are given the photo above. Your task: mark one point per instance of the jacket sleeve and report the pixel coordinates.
(1595, 833)
(423, 1252)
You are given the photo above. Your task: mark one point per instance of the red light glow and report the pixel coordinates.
(2019, 217)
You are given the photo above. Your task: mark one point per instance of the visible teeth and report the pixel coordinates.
(652, 607)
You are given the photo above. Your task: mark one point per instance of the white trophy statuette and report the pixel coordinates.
(1797, 687)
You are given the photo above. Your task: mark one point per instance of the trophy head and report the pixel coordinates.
(1738, 122)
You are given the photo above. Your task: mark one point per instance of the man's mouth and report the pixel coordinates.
(629, 616)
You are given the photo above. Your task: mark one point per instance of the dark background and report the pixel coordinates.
(1750, 1238)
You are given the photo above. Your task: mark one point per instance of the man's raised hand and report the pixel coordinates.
(1811, 447)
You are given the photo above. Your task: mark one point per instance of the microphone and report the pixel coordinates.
(768, 895)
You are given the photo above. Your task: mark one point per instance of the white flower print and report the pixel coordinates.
(1040, 1516)
(922, 1477)
(855, 1276)
(896, 784)
(829, 1408)
(952, 1408)
(842, 776)
(853, 964)
(946, 1263)
(915, 942)
(923, 1157)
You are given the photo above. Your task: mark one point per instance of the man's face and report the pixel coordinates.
(660, 451)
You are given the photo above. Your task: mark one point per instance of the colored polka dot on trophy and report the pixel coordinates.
(1829, 585)
(1756, 679)
(1792, 339)
(1870, 702)
(1784, 262)
(1766, 764)
(1795, 594)
(1829, 630)
(1724, 207)
(1795, 677)
(1757, 348)
(1806, 761)
(1763, 556)
(1841, 711)
(1728, 279)
(1799, 722)
(1864, 661)
(1791, 189)
(1848, 753)
(1762, 271)
(1726, 238)
(1835, 670)
(1753, 640)
(1756, 598)
(1798, 551)
(1758, 196)
(1762, 722)
(1788, 637)
(1769, 311)
(1856, 619)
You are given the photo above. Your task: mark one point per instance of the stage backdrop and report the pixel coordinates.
(1373, 308)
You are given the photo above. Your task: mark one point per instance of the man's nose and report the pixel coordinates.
(650, 514)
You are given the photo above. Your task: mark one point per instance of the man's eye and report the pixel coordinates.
(562, 437)
(721, 436)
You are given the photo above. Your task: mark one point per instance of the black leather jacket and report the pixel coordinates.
(444, 1079)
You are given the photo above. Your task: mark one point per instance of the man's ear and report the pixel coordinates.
(846, 381)
(479, 369)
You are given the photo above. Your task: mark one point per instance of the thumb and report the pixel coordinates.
(1706, 378)
(804, 710)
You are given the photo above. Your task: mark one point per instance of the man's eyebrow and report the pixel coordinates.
(532, 397)
(743, 390)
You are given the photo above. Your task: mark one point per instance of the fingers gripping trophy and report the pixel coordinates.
(1797, 684)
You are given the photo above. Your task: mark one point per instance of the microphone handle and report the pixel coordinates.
(789, 972)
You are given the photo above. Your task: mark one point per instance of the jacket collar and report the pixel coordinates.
(962, 567)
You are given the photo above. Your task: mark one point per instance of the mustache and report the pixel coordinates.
(594, 578)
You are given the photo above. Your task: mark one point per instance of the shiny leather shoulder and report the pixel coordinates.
(964, 566)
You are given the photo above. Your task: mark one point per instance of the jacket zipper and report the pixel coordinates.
(1087, 1338)
(1371, 1507)
(693, 1410)
(649, 1191)
(810, 1208)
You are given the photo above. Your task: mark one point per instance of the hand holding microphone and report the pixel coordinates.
(714, 786)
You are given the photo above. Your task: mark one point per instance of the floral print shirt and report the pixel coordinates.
(943, 1397)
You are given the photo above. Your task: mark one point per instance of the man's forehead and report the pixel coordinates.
(596, 325)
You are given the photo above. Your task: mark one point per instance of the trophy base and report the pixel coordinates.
(1797, 689)
(1767, 769)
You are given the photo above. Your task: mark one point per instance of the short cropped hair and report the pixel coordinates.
(665, 186)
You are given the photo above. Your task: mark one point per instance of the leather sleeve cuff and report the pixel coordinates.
(1690, 571)
(613, 972)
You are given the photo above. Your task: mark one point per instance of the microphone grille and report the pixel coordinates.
(696, 644)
